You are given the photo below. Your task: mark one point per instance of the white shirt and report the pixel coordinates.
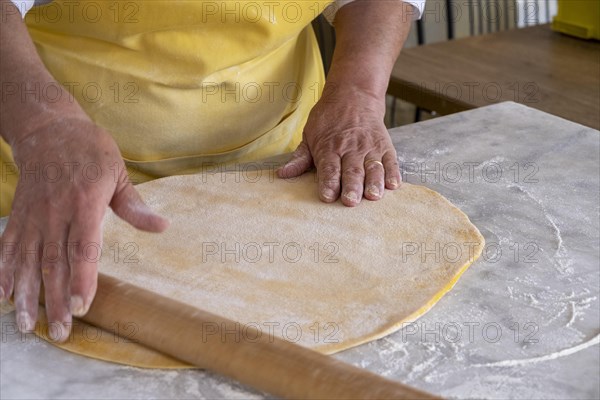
(330, 12)
(23, 5)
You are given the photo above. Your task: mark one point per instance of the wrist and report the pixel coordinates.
(28, 111)
(370, 78)
(351, 93)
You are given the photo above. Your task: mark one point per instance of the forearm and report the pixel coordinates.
(370, 35)
(25, 81)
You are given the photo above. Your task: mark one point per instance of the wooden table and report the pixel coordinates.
(534, 66)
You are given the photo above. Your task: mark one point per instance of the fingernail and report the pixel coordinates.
(351, 196)
(77, 306)
(373, 191)
(1, 294)
(393, 183)
(57, 332)
(328, 194)
(25, 322)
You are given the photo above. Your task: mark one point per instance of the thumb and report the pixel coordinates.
(301, 161)
(128, 204)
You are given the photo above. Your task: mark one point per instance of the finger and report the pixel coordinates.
(56, 278)
(301, 162)
(128, 204)
(329, 175)
(28, 280)
(353, 179)
(9, 256)
(84, 245)
(374, 177)
(393, 179)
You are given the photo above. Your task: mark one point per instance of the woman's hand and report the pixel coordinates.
(345, 137)
(70, 172)
(346, 140)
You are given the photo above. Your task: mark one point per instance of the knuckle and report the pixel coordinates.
(357, 189)
(373, 167)
(354, 172)
(330, 184)
(392, 172)
(391, 160)
(375, 181)
(391, 164)
(392, 167)
(329, 169)
(300, 152)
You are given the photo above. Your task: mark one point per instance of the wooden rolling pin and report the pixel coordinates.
(268, 363)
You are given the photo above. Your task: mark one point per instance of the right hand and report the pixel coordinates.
(56, 218)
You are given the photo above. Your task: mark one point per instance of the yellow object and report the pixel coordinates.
(322, 276)
(8, 178)
(579, 18)
(183, 85)
(98, 343)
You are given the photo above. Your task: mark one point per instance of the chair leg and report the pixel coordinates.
(418, 112)
(393, 113)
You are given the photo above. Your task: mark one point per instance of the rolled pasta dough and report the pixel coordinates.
(267, 253)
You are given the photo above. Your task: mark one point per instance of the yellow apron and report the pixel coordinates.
(183, 85)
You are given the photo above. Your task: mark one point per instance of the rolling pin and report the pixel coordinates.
(264, 362)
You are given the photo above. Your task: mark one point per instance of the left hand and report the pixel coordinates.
(348, 143)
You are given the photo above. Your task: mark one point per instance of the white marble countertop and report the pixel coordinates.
(522, 322)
